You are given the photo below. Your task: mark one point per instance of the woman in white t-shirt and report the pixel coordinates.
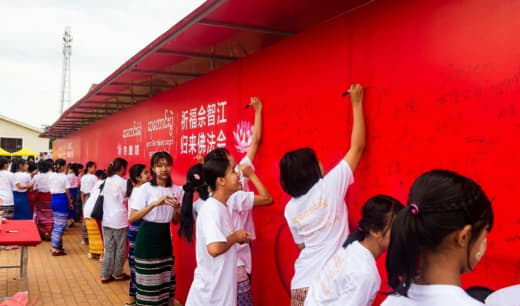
(317, 213)
(6, 189)
(73, 177)
(115, 222)
(139, 175)
(87, 183)
(214, 281)
(43, 209)
(440, 235)
(22, 183)
(60, 203)
(351, 277)
(156, 204)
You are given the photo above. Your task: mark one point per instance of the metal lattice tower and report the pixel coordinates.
(65, 84)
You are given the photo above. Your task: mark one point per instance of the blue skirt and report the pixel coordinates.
(60, 203)
(21, 206)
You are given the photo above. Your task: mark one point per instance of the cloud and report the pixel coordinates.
(105, 35)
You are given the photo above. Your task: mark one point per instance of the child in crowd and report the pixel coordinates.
(317, 213)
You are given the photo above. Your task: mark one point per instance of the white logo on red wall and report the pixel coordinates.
(243, 136)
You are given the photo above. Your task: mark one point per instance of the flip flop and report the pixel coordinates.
(108, 280)
(59, 253)
(124, 276)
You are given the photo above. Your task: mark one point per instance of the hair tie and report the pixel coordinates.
(414, 209)
(360, 229)
(188, 187)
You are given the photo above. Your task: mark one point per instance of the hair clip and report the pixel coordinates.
(414, 209)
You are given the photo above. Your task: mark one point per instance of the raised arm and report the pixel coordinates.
(257, 128)
(358, 139)
(263, 198)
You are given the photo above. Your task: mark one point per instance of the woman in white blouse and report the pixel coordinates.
(60, 203)
(156, 204)
(6, 189)
(22, 183)
(115, 222)
(43, 209)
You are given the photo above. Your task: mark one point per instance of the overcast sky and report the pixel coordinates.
(105, 34)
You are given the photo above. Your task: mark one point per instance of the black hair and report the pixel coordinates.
(3, 161)
(32, 166)
(48, 165)
(194, 182)
(74, 168)
(217, 153)
(299, 171)
(439, 203)
(116, 165)
(30, 158)
(134, 172)
(479, 293)
(79, 166)
(88, 166)
(60, 162)
(156, 157)
(101, 174)
(17, 162)
(377, 215)
(213, 169)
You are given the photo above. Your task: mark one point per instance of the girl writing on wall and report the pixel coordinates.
(215, 277)
(317, 213)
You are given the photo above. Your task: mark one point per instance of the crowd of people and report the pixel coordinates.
(430, 242)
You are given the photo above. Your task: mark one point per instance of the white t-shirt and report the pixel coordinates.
(196, 207)
(6, 188)
(91, 202)
(505, 297)
(115, 212)
(73, 180)
(21, 178)
(240, 205)
(41, 182)
(58, 183)
(148, 194)
(349, 278)
(87, 183)
(214, 281)
(319, 219)
(432, 295)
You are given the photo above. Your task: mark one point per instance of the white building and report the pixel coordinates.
(14, 135)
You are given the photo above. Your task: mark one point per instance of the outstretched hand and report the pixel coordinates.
(356, 93)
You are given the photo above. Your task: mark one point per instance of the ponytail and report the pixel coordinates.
(89, 165)
(440, 202)
(60, 162)
(116, 165)
(377, 214)
(194, 182)
(135, 172)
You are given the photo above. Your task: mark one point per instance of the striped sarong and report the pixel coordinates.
(298, 296)
(60, 212)
(60, 221)
(44, 217)
(31, 197)
(21, 206)
(95, 240)
(132, 235)
(76, 200)
(244, 294)
(154, 264)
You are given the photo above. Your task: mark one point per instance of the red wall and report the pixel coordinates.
(442, 81)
